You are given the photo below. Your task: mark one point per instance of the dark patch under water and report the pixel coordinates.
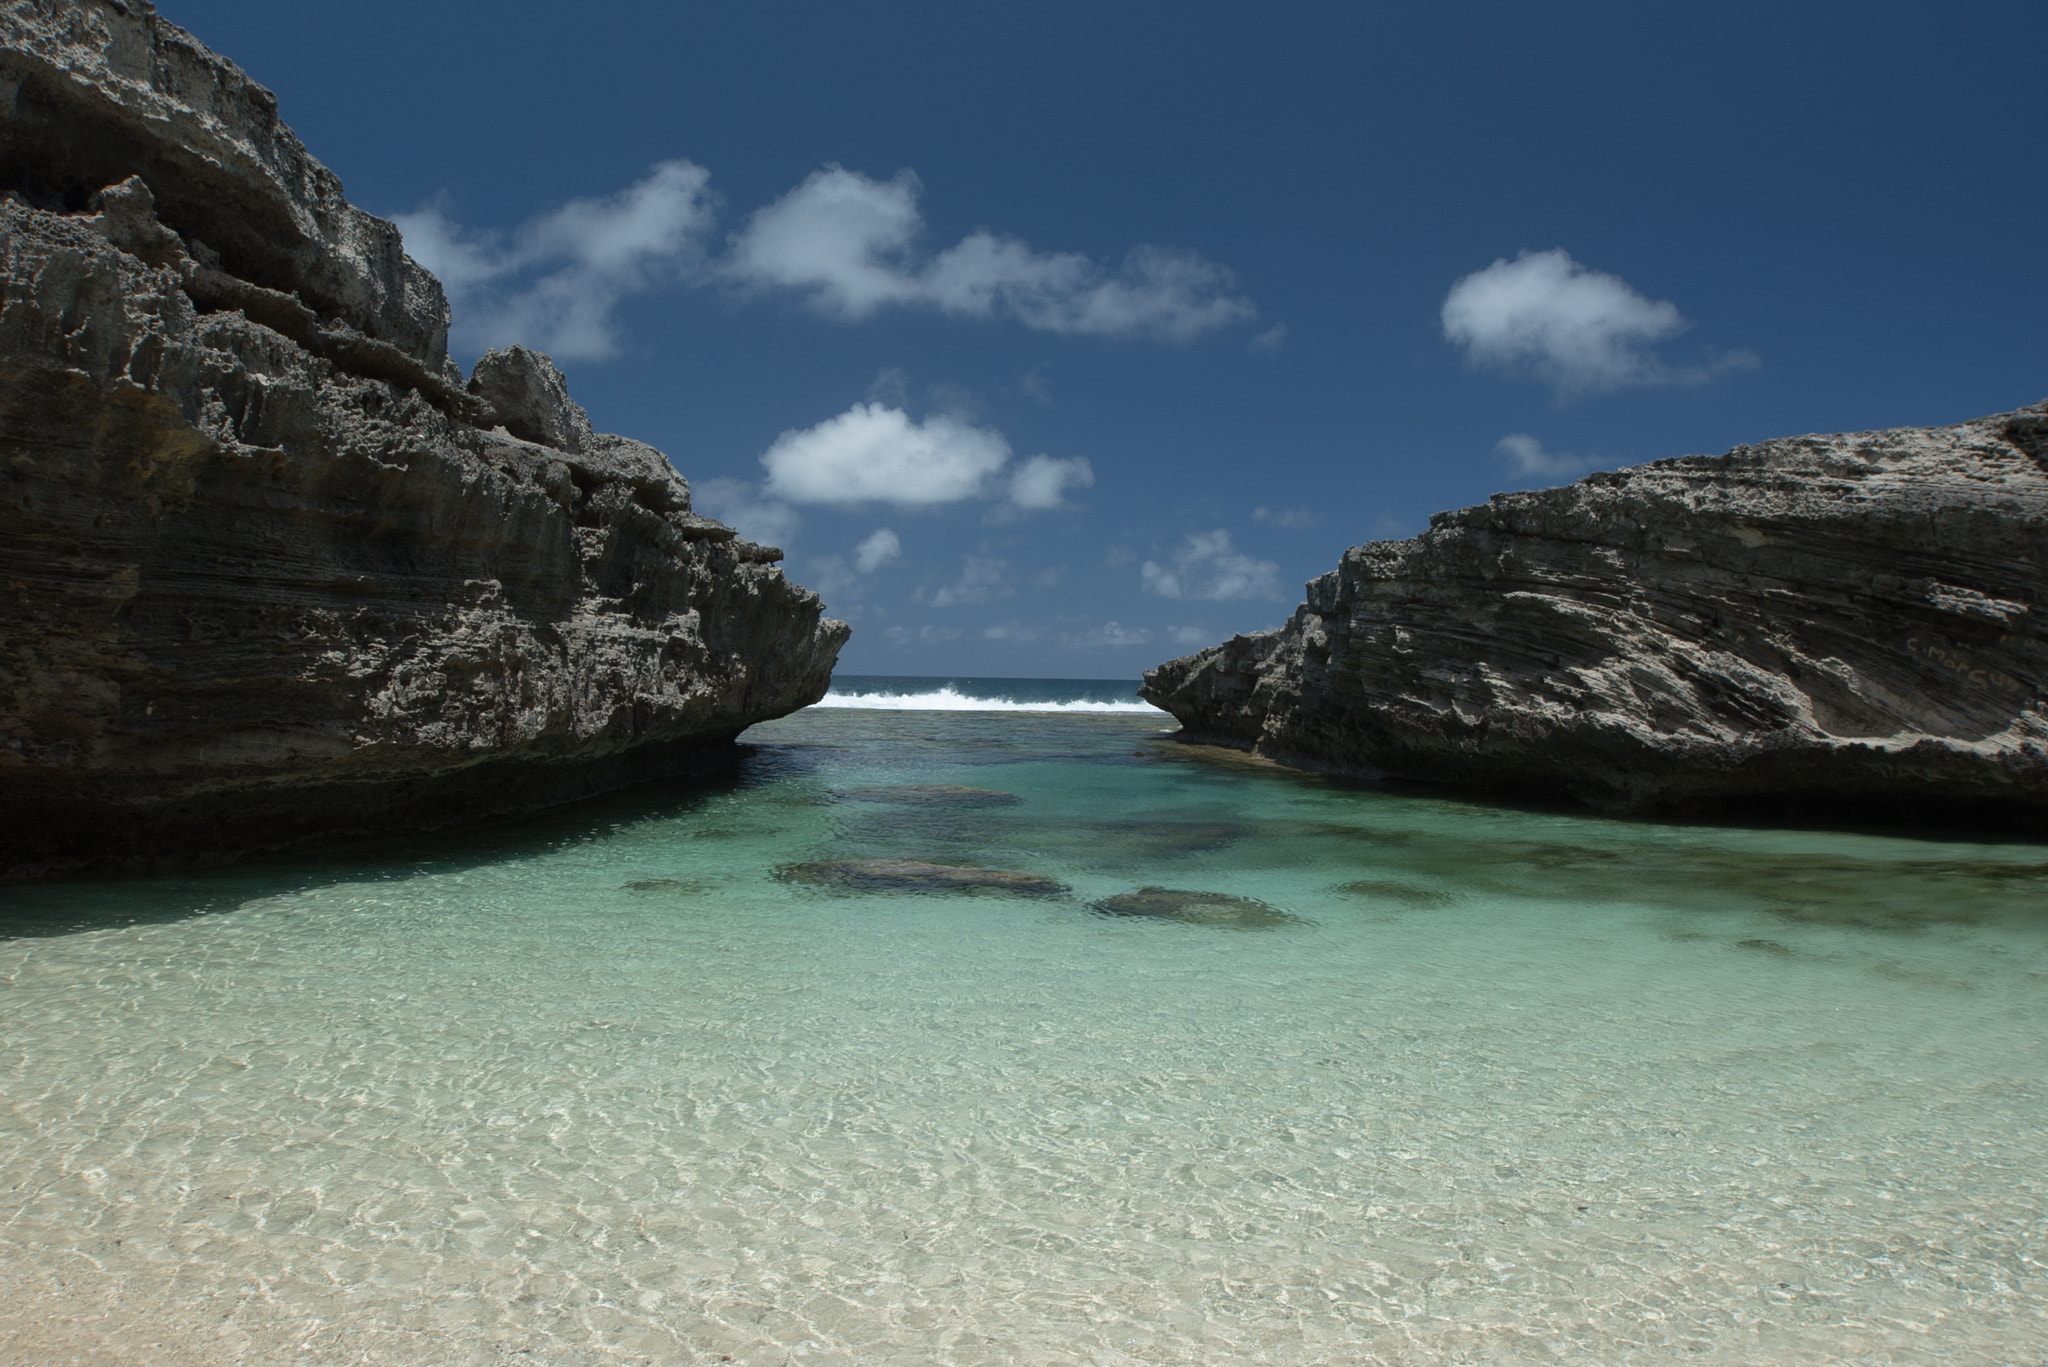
(1196, 908)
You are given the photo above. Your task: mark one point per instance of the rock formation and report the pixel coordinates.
(1826, 627)
(270, 569)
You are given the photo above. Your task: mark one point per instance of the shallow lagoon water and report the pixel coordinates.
(1489, 1085)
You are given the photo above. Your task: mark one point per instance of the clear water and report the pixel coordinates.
(1492, 1085)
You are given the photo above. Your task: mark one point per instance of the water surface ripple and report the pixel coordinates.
(1466, 1084)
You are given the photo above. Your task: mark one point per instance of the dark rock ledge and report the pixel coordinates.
(271, 571)
(1825, 628)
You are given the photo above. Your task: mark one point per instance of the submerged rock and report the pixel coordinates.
(274, 571)
(912, 875)
(1388, 890)
(675, 886)
(1846, 625)
(933, 795)
(1196, 908)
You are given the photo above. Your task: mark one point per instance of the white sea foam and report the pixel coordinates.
(950, 699)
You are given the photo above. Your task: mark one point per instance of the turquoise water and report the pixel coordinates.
(1479, 1085)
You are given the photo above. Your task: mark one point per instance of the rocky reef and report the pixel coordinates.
(271, 569)
(1825, 627)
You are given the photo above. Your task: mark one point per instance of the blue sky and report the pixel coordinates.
(1060, 339)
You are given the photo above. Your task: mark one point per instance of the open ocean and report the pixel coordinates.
(677, 1077)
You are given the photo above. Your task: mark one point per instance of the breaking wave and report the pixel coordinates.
(947, 698)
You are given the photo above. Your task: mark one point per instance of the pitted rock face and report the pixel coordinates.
(1815, 627)
(269, 574)
(531, 398)
(93, 92)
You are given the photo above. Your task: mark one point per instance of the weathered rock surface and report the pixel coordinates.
(270, 571)
(1838, 626)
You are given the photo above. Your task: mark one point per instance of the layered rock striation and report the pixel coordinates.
(1827, 626)
(271, 569)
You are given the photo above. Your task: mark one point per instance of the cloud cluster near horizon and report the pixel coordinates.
(1208, 566)
(1579, 330)
(849, 244)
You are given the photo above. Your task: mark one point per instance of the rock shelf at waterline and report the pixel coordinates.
(1825, 627)
(279, 574)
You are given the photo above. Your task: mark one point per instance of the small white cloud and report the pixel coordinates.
(1582, 331)
(1021, 633)
(849, 243)
(981, 578)
(555, 283)
(924, 635)
(1107, 636)
(1208, 566)
(741, 505)
(875, 454)
(1041, 482)
(1527, 456)
(1269, 341)
(1287, 517)
(1193, 635)
(878, 550)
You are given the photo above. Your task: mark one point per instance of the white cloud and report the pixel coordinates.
(739, 504)
(1108, 636)
(924, 635)
(850, 244)
(555, 284)
(1192, 635)
(874, 454)
(1208, 566)
(1023, 633)
(1270, 339)
(1041, 482)
(1582, 331)
(878, 550)
(839, 235)
(981, 578)
(1287, 517)
(1528, 456)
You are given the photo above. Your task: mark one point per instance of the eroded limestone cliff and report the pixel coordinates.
(1831, 626)
(271, 570)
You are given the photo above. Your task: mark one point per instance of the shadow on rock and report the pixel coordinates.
(912, 875)
(1197, 909)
